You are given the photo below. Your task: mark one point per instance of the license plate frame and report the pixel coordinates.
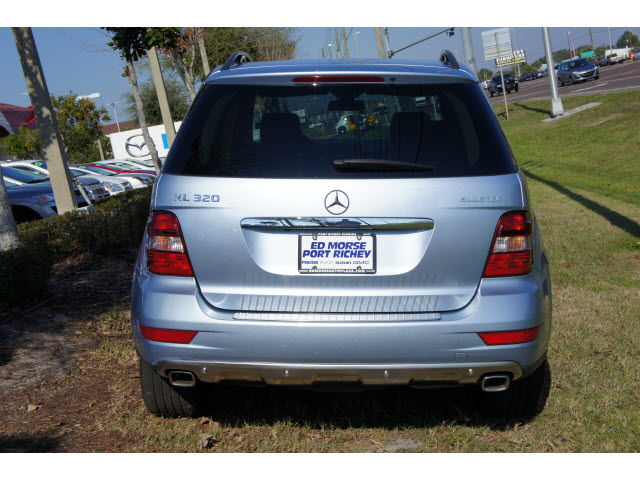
(366, 265)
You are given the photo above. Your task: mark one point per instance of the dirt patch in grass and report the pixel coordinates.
(53, 386)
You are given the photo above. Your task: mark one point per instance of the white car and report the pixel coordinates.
(123, 164)
(113, 187)
(90, 185)
(137, 180)
(141, 163)
(113, 184)
(346, 123)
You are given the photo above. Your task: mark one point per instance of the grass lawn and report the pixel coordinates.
(584, 182)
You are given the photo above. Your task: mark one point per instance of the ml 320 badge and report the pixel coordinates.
(183, 197)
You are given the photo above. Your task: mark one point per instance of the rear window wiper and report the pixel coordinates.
(366, 164)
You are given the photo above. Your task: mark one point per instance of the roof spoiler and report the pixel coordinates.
(449, 58)
(236, 59)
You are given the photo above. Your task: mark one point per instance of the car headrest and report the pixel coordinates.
(278, 127)
(407, 125)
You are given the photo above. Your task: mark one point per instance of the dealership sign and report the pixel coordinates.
(518, 56)
(131, 143)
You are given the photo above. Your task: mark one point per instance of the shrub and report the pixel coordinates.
(117, 223)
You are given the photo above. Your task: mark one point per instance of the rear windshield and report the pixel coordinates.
(301, 131)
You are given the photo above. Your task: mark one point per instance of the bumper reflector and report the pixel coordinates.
(166, 335)
(511, 337)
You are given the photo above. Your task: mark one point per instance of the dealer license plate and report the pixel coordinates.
(337, 253)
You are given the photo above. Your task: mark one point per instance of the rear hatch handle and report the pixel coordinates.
(332, 223)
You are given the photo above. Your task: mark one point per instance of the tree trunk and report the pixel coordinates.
(141, 118)
(187, 78)
(203, 53)
(161, 93)
(189, 81)
(8, 233)
(52, 143)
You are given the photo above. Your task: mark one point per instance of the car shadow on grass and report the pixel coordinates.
(612, 216)
(389, 408)
(27, 444)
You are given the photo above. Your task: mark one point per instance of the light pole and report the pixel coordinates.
(556, 101)
(355, 35)
(386, 37)
(115, 112)
(467, 49)
(515, 44)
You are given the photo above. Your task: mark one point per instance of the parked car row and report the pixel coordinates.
(527, 77)
(31, 194)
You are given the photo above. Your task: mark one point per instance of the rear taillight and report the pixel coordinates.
(511, 337)
(166, 251)
(166, 335)
(512, 247)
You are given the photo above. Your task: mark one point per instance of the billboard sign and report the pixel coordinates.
(518, 56)
(496, 43)
(587, 54)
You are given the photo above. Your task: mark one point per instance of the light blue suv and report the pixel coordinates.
(281, 252)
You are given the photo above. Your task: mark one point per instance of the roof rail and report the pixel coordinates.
(449, 58)
(236, 59)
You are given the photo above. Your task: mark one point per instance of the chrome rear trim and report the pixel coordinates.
(367, 374)
(336, 317)
(336, 223)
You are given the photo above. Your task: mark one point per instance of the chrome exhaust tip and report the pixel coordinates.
(180, 378)
(495, 383)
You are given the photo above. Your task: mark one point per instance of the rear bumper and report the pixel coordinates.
(401, 352)
(367, 375)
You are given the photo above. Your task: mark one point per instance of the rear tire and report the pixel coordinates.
(164, 400)
(524, 399)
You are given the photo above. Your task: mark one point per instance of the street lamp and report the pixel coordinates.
(355, 35)
(115, 112)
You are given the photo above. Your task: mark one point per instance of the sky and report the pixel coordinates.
(76, 58)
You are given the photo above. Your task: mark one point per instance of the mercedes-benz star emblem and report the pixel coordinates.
(138, 146)
(336, 202)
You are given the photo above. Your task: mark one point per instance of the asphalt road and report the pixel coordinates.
(615, 78)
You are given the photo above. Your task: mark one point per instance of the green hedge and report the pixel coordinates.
(116, 224)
